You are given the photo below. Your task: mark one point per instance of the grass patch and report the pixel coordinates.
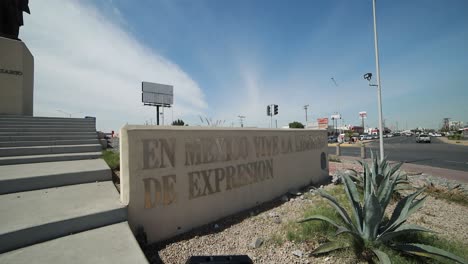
(317, 230)
(276, 239)
(451, 195)
(112, 159)
(334, 158)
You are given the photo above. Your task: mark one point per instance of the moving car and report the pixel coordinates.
(423, 138)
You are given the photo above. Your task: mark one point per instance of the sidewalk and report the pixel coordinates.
(454, 175)
(461, 142)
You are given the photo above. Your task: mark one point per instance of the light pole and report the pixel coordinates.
(368, 77)
(305, 108)
(379, 87)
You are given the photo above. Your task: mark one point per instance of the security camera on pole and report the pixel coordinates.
(271, 113)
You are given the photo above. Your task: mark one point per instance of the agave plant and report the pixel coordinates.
(369, 228)
(384, 169)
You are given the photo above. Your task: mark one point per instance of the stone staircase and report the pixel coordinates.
(57, 199)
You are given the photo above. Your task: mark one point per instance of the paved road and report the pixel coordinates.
(405, 149)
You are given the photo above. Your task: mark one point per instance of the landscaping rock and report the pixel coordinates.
(284, 198)
(298, 253)
(256, 243)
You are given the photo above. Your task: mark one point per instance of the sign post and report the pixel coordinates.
(156, 94)
(363, 115)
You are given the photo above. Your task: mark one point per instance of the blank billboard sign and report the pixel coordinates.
(156, 93)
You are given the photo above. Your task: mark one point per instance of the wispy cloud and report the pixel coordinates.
(85, 62)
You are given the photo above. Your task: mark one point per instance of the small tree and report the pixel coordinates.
(296, 124)
(178, 122)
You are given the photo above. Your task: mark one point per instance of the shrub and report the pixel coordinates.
(296, 124)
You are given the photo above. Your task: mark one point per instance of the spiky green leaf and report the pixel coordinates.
(320, 218)
(372, 217)
(429, 252)
(356, 236)
(353, 197)
(382, 256)
(330, 246)
(338, 208)
(400, 213)
(403, 229)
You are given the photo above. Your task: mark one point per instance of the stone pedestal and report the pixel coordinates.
(16, 78)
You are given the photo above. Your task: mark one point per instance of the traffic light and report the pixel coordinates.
(268, 111)
(276, 109)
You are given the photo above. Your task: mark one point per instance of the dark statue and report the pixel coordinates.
(11, 17)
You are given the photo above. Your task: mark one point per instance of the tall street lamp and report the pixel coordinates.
(305, 108)
(368, 77)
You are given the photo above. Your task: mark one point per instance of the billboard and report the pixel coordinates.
(157, 94)
(363, 114)
(336, 116)
(322, 123)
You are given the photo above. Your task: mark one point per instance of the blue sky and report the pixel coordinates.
(230, 58)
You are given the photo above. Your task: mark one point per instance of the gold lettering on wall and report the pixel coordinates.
(160, 153)
(207, 182)
(218, 149)
(157, 193)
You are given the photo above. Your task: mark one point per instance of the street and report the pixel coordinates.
(405, 149)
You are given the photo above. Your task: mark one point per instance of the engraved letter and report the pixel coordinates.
(149, 203)
(168, 187)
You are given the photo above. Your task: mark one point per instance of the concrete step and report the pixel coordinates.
(48, 129)
(41, 125)
(45, 118)
(35, 176)
(48, 158)
(37, 216)
(106, 245)
(47, 143)
(45, 122)
(45, 133)
(41, 150)
(49, 137)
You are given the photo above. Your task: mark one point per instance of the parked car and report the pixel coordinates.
(375, 136)
(423, 138)
(332, 139)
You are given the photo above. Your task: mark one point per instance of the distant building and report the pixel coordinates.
(375, 131)
(356, 129)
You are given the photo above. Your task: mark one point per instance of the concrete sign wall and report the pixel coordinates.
(16, 78)
(177, 178)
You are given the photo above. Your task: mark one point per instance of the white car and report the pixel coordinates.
(423, 138)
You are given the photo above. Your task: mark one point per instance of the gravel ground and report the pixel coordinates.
(235, 234)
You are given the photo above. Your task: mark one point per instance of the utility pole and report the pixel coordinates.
(241, 118)
(305, 108)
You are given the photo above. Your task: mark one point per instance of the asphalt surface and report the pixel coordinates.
(405, 149)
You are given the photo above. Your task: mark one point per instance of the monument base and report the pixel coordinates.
(16, 78)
